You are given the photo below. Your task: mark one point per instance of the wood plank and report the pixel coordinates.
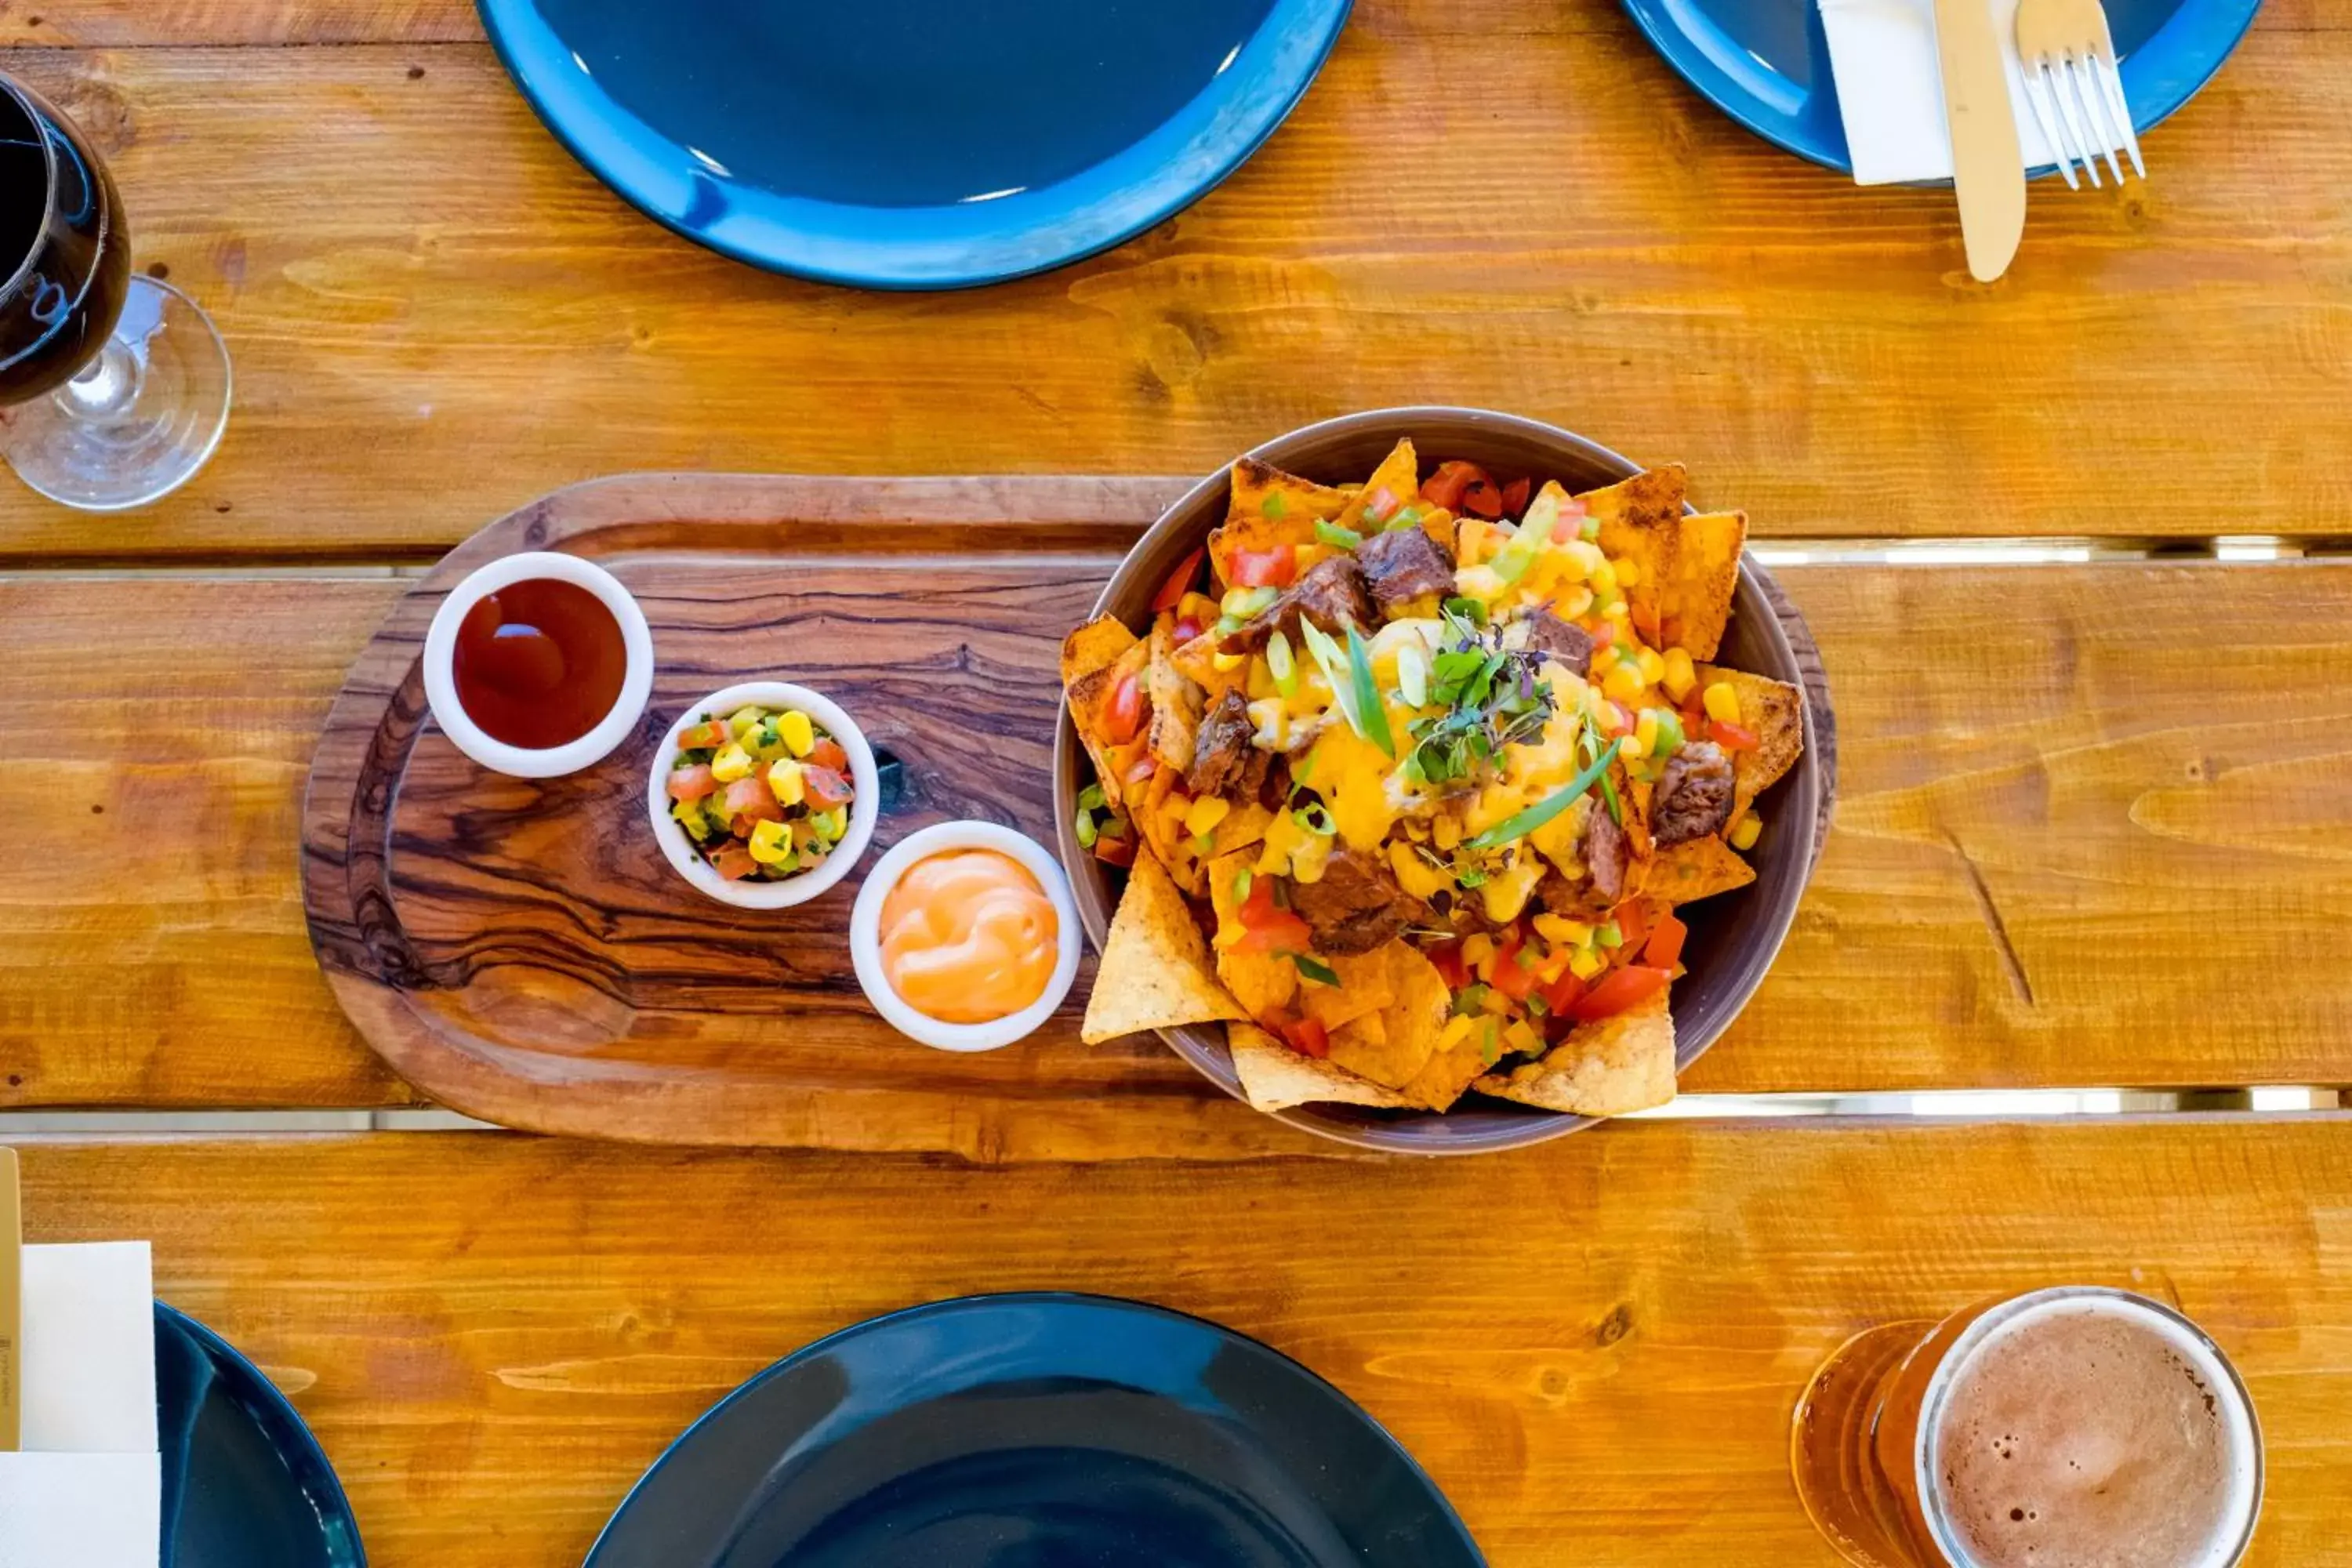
(2091, 833)
(1609, 253)
(1601, 1374)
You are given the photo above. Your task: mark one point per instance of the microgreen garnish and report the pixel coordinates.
(1491, 698)
(1521, 824)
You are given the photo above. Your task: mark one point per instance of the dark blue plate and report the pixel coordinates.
(913, 144)
(1036, 1431)
(244, 1485)
(1766, 62)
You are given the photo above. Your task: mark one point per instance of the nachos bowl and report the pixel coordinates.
(1731, 939)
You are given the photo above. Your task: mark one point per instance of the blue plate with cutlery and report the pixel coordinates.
(1036, 1431)
(244, 1484)
(913, 144)
(1766, 62)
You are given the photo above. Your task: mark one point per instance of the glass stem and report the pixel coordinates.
(106, 388)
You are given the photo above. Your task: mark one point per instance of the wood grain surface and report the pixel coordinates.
(1594, 1346)
(436, 315)
(2091, 833)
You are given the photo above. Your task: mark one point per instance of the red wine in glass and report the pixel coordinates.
(114, 388)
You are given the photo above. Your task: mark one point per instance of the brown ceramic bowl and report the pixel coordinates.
(1732, 939)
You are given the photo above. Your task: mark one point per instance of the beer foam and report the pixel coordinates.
(2085, 1429)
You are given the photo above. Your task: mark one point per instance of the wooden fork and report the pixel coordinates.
(2070, 65)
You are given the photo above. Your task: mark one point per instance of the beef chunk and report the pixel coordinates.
(1693, 796)
(1564, 642)
(1357, 905)
(1222, 749)
(1333, 594)
(1605, 851)
(1404, 564)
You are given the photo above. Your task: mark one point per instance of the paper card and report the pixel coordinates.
(80, 1510)
(89, 1349)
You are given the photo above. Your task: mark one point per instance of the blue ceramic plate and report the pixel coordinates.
(244, 1485)
(1766, 64)
(1036, 1431)
(913, 144)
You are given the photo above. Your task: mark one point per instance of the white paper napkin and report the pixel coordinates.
(87, 1492)
(1890, 87)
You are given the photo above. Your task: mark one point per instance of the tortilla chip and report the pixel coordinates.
(1163, 829)
(1275, 1078)
(1086, 693)
(1155, 972)
(1175, 700)
(1094, 646)
(1243, 827)
(1197, 662)
(1604, 1068)
(1364, 988)
(1698, 869)
(1417, 1021)
(1392, 1046)
(1261, 983)
(1774, 712)
(1398, 474)
(1641, 520)
(1696, 605)
(1269, 507)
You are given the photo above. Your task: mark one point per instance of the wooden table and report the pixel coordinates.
(2095, 823)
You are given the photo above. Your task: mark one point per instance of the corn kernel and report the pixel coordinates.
(1604, 578)
(1722, 703)
(1623, 684)
(1679, 675)
(741, 721)
(1561, 932)
(1227, 663)
(1477, 949)
(1445, 832)
(1605, 716)
(1457, 1029)
(1205, 813)
(798, 734)
(1604, 659)
(1653, 664)
(1573, 603)
(1645, 734)
(1495, 1002)
(1586, 555)
(772, 844)
(1629, 572)
(1522, 1037)
(1174, 806)
(1586, 961)
(785, 778)
(1615, 610)
(731, 762)
(1746, 831)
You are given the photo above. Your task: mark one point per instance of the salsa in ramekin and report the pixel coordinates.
(763, 793)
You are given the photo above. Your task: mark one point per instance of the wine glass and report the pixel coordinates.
(114, 388)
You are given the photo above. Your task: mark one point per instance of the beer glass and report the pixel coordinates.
(2065, 1425)
(114, 387)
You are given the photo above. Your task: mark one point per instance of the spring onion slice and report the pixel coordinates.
(1521, 824)
(1375, 727)
(1320, 973)
(1281, 665)
(1339, 538)
(1412, 676)
(1333, 662)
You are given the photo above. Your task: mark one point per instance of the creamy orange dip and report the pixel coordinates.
(968, 936)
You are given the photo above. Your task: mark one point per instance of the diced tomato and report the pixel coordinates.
(1382, 504)
(691, 783)
(1514, 496)
(1561, 993)
(1186, 630)
(1123, 713)
(1619, 990)
(1483, 498)
(1665, 949)
(826, 789)
(827, 753)
(1447, 957)
(1632, 922)
(1731, 737)
(1116, 851)
(1272, 568)
(1171, 593)
(1308, 1036)
(1645, 621)
(750, 797)
(1444, 488)
(1507, 976)
(1267, 926)
(709, 735)
(733, 861)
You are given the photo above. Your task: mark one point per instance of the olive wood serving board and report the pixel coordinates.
(519, 951)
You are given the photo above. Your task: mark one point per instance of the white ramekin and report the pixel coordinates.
(755, 895)
(866, 935)
(440, 666)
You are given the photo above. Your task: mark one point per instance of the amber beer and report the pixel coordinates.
(2071, 1427)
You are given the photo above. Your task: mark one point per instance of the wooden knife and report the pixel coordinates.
(12, 1310)
(1988, 167)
